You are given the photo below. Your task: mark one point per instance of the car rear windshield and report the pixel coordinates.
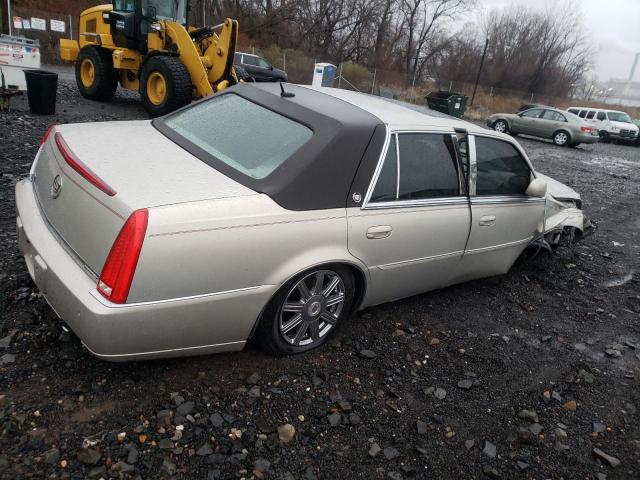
(244, 135)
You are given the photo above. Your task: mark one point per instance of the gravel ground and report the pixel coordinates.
(534, 374)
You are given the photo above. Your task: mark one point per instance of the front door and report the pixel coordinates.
(414, 224)
(503, 218)
(527, 122)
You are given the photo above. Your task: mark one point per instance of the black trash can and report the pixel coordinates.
(41, 91)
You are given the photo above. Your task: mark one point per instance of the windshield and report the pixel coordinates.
(244, 135)
(166, 10)
(619, 117)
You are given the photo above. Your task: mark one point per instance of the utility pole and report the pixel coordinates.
(10, 19)
(484, 54)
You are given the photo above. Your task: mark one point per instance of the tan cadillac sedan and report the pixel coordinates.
(256, 215)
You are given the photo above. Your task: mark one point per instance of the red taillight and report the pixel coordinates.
(586, 129)
(75, 163)
(47, 133)
(117, 274)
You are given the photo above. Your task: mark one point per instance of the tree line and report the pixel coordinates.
(534, 50)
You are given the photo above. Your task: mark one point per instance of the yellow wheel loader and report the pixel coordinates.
(145, 45)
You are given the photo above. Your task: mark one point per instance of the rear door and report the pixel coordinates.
(552, 121)
(414, 224)
(503, 218)
(250, 64)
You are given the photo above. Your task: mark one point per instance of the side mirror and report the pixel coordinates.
(270, 67)
(537, 188)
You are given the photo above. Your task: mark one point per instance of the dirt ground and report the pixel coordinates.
(524, 376)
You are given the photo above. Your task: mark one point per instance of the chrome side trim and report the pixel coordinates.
(395, 135)
(161, 352)
(425, 202)
(498, 247)
(95, 294)
(505, 199)
(376, 172)
(390, 266)
(473, 164)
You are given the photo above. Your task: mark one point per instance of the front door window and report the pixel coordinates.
(501, 168)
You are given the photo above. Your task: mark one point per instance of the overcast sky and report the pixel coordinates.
(613, 26)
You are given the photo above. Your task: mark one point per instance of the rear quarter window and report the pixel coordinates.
(244, 135)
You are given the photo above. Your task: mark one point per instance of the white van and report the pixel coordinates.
(612, 124)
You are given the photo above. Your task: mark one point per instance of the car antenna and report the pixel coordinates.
(285, 94)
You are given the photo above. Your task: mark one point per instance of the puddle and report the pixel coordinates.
(618, 282)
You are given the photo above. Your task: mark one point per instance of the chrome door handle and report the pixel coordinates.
(487, 220)
(381, 231)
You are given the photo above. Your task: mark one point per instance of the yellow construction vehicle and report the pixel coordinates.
(145, 45)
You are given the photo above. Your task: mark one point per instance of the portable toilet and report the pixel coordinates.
(323, 75)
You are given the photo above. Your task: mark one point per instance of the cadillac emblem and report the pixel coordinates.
(56, 186)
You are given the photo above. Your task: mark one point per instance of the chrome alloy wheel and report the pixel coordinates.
(311, 308)
(500, 126)
(560, 138)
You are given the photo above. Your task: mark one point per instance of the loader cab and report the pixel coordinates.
(130, 19)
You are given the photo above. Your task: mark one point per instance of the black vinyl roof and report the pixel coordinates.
(321, 173)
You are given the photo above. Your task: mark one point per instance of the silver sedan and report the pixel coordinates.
(253, 215)
(564, 128)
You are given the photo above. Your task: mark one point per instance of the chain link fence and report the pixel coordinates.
(46, 27)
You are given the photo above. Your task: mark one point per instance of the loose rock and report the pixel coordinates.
(489, 449)
(612, 461)
(286, 432)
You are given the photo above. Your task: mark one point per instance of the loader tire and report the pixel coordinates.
(242, 74)
(165, 85)
(95, 76)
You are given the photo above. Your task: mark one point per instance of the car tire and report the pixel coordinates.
(561, 138)
(604, 136)
(295, 322)
(165, 85)
(501, 126)
(95, 76)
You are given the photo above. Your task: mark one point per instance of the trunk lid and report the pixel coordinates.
(142, 166)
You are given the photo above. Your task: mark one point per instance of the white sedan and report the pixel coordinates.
(251, 214)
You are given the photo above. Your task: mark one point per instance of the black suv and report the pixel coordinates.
(258, 68)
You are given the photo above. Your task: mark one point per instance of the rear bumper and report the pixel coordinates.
(177, 327)
(582, 137)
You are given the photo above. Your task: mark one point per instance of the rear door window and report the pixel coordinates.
(582, 114)
(502, 170)
(553, 116)
(425, 168)
(250, 60)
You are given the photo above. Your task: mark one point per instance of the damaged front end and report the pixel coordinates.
(565, 223)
